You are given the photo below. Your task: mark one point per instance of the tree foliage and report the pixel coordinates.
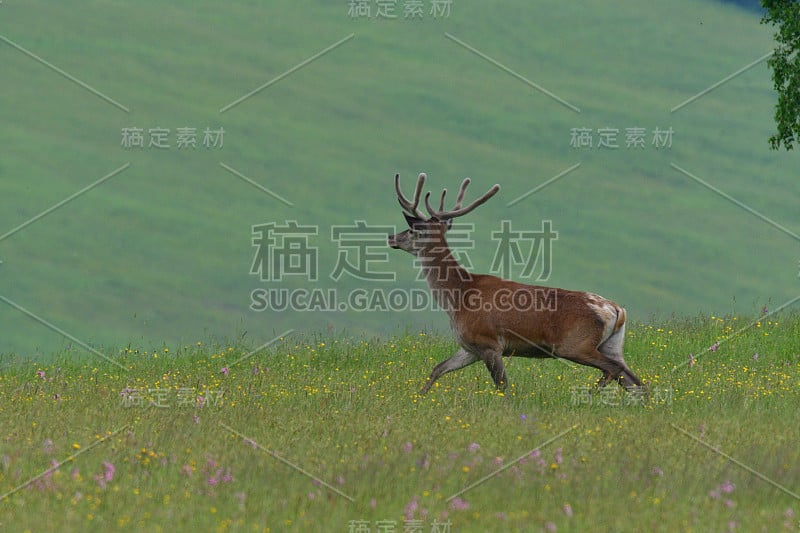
(785, 65)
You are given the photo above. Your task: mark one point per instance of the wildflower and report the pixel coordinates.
(108, 475)
(474, 447)
(567, 509)
(224, 371)
(457, 504)
(221, 476)
(714, 347)
(411, 508)
(407, 447)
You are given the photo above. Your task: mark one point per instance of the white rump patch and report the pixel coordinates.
(605, 311)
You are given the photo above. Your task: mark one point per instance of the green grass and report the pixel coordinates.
(344, 410)
(162, 251)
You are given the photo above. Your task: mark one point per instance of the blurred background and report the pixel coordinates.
(189, 158)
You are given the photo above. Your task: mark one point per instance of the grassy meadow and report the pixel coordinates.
(321, 433)
(137, 388)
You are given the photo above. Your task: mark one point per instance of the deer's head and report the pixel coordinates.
(426, 233)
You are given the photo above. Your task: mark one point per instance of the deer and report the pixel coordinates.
(492, 317)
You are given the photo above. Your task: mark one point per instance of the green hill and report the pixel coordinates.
(162, 251)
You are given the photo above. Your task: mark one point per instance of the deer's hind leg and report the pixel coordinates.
(611, 348)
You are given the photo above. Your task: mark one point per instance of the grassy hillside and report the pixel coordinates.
(162, 251)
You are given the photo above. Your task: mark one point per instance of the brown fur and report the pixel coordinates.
(493, 317)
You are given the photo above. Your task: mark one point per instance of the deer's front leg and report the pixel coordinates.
(460, 359)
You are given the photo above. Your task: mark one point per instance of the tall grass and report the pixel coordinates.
(327, 433)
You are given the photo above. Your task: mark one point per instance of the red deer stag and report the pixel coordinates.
(493, 317)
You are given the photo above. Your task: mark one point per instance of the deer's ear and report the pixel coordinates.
(412, 220)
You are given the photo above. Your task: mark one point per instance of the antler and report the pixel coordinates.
(458, 211)
(408, 206)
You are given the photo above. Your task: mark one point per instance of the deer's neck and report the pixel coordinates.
(441, 269)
